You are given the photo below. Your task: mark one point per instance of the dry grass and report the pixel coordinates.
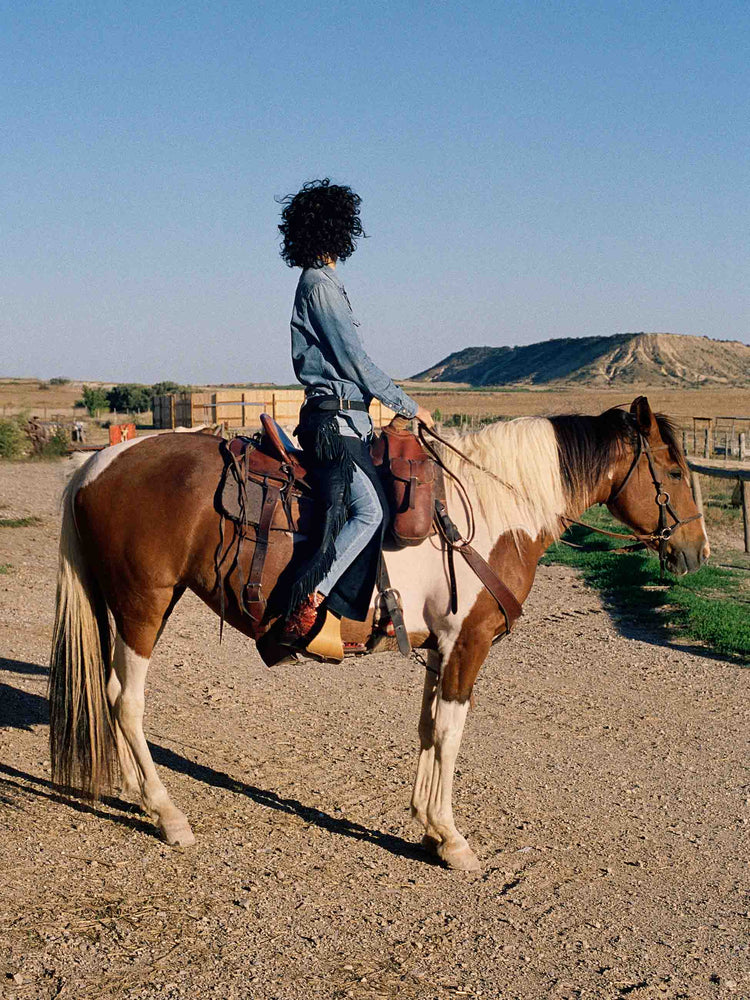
(680, 404)
(39, 398)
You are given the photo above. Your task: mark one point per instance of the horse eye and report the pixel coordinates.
(675, 474)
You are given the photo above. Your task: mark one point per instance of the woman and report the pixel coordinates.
(320, 227)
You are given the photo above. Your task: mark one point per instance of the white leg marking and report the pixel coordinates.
(423, 779)
(450, 717)
(129, 786)
(128, 709)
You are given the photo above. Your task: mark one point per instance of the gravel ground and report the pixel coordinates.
(603, 782)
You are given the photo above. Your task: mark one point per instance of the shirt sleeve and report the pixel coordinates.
(332, 320)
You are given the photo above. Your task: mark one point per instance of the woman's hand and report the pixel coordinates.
(425, 417)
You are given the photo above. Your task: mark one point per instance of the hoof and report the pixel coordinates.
(176, 831)
(459, 858)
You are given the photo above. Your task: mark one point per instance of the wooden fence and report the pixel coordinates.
(720, 470)
(240, 409)
(725, 436)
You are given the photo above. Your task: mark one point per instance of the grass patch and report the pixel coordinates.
(20, 522)
(5, 568)
(711, 605)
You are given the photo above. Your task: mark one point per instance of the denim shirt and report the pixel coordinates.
(329, 357)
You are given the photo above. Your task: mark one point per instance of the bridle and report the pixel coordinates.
(664, 531)
(660, 536)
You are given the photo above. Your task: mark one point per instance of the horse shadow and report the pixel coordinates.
(22, 709)
(638, 609)
(14, 780)
(391, 843)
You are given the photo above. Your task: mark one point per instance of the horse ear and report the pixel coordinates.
(642, 412)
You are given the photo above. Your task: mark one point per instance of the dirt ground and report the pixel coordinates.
(603, 781)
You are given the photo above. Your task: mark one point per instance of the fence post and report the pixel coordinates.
(742, 446)
(745, 491)
(684, 443)
(705, 443)
(695, 485)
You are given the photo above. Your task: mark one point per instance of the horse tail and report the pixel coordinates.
(82, 739)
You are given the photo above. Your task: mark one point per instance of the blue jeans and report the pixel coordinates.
(365, 518)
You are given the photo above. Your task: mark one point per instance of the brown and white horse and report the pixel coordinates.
(140, 527)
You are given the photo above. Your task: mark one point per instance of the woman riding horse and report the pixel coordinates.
(320, 226)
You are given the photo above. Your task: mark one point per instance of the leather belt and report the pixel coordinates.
(333, 403)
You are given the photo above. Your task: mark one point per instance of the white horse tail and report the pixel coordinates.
(82, 738)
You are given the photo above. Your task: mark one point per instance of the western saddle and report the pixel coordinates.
(265, 486)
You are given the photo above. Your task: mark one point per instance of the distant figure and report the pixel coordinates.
(320, 226)
(78, 435)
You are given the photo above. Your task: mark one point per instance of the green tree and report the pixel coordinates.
(164, 388)
(130, 398)
(12, 438)
(95, 400)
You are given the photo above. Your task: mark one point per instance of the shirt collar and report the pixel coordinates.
(331, 273)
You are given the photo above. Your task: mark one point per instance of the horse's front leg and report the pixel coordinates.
(445, 704)
(450, 846)
(423, 780)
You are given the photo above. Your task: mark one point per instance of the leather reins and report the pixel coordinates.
(660, 535)
(663, 531)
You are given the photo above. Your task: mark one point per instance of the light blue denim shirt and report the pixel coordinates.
(328, 355)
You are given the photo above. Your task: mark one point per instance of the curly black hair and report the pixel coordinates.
(321, 221)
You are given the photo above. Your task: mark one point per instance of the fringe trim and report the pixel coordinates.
(328, 449)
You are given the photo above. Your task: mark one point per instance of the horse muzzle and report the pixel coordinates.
(682, 559)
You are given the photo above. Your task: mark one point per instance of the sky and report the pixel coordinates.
(528, 170)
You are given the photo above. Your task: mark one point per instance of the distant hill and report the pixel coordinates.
(625, 358)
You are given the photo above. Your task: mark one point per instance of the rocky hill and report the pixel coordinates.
(623, 359)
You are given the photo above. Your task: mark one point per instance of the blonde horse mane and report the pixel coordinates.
(524, 454)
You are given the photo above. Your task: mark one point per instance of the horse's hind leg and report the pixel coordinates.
(130, 785)
(130, 669)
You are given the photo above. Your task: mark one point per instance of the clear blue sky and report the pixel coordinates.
(528, 170)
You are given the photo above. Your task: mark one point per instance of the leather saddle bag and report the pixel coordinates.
(410, 481)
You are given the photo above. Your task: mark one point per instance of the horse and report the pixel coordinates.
(140, 525)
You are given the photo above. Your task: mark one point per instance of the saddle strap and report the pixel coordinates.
(507, 602)
(253, 597)
(412, 489)
(392, 603)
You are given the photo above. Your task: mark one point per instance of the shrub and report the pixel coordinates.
(12, 438)
(58, 380)
(58, 444)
